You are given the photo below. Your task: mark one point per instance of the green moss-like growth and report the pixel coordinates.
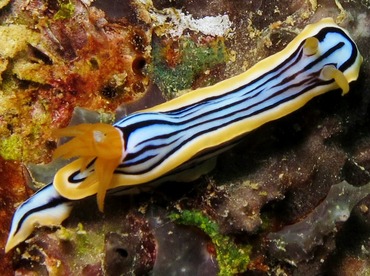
(11, 147)
(66, 10)
(87, 245)
(175, 68)
(231, 258)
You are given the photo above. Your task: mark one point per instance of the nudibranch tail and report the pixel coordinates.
(100, 142)
(46, 207)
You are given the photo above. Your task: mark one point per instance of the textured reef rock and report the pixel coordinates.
(56, 55)
(296, 242)
(250, 213)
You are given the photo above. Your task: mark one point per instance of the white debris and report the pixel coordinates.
(174, 22)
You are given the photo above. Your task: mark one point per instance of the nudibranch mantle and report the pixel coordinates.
(169, 140)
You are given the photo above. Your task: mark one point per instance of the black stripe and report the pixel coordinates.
(51, 204)
(182, 112)
(321, 36)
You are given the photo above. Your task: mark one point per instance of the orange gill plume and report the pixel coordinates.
(99, 141)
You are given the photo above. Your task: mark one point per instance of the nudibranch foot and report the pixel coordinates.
(100, 142)
(311, 46)
(329, 72)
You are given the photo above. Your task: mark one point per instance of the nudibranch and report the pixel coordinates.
(179, 139)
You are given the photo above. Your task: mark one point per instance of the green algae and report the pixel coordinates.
(16, 142)
(87, 244)
(11, 147)
(178, 71)
(66, 10)
(23, 121)
(232, 258)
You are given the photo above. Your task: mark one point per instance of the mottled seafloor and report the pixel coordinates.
(291, 199)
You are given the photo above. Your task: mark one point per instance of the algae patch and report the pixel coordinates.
(66, 10)
(87, 245)
(10, 148)
(232, 258)
(177, 64)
